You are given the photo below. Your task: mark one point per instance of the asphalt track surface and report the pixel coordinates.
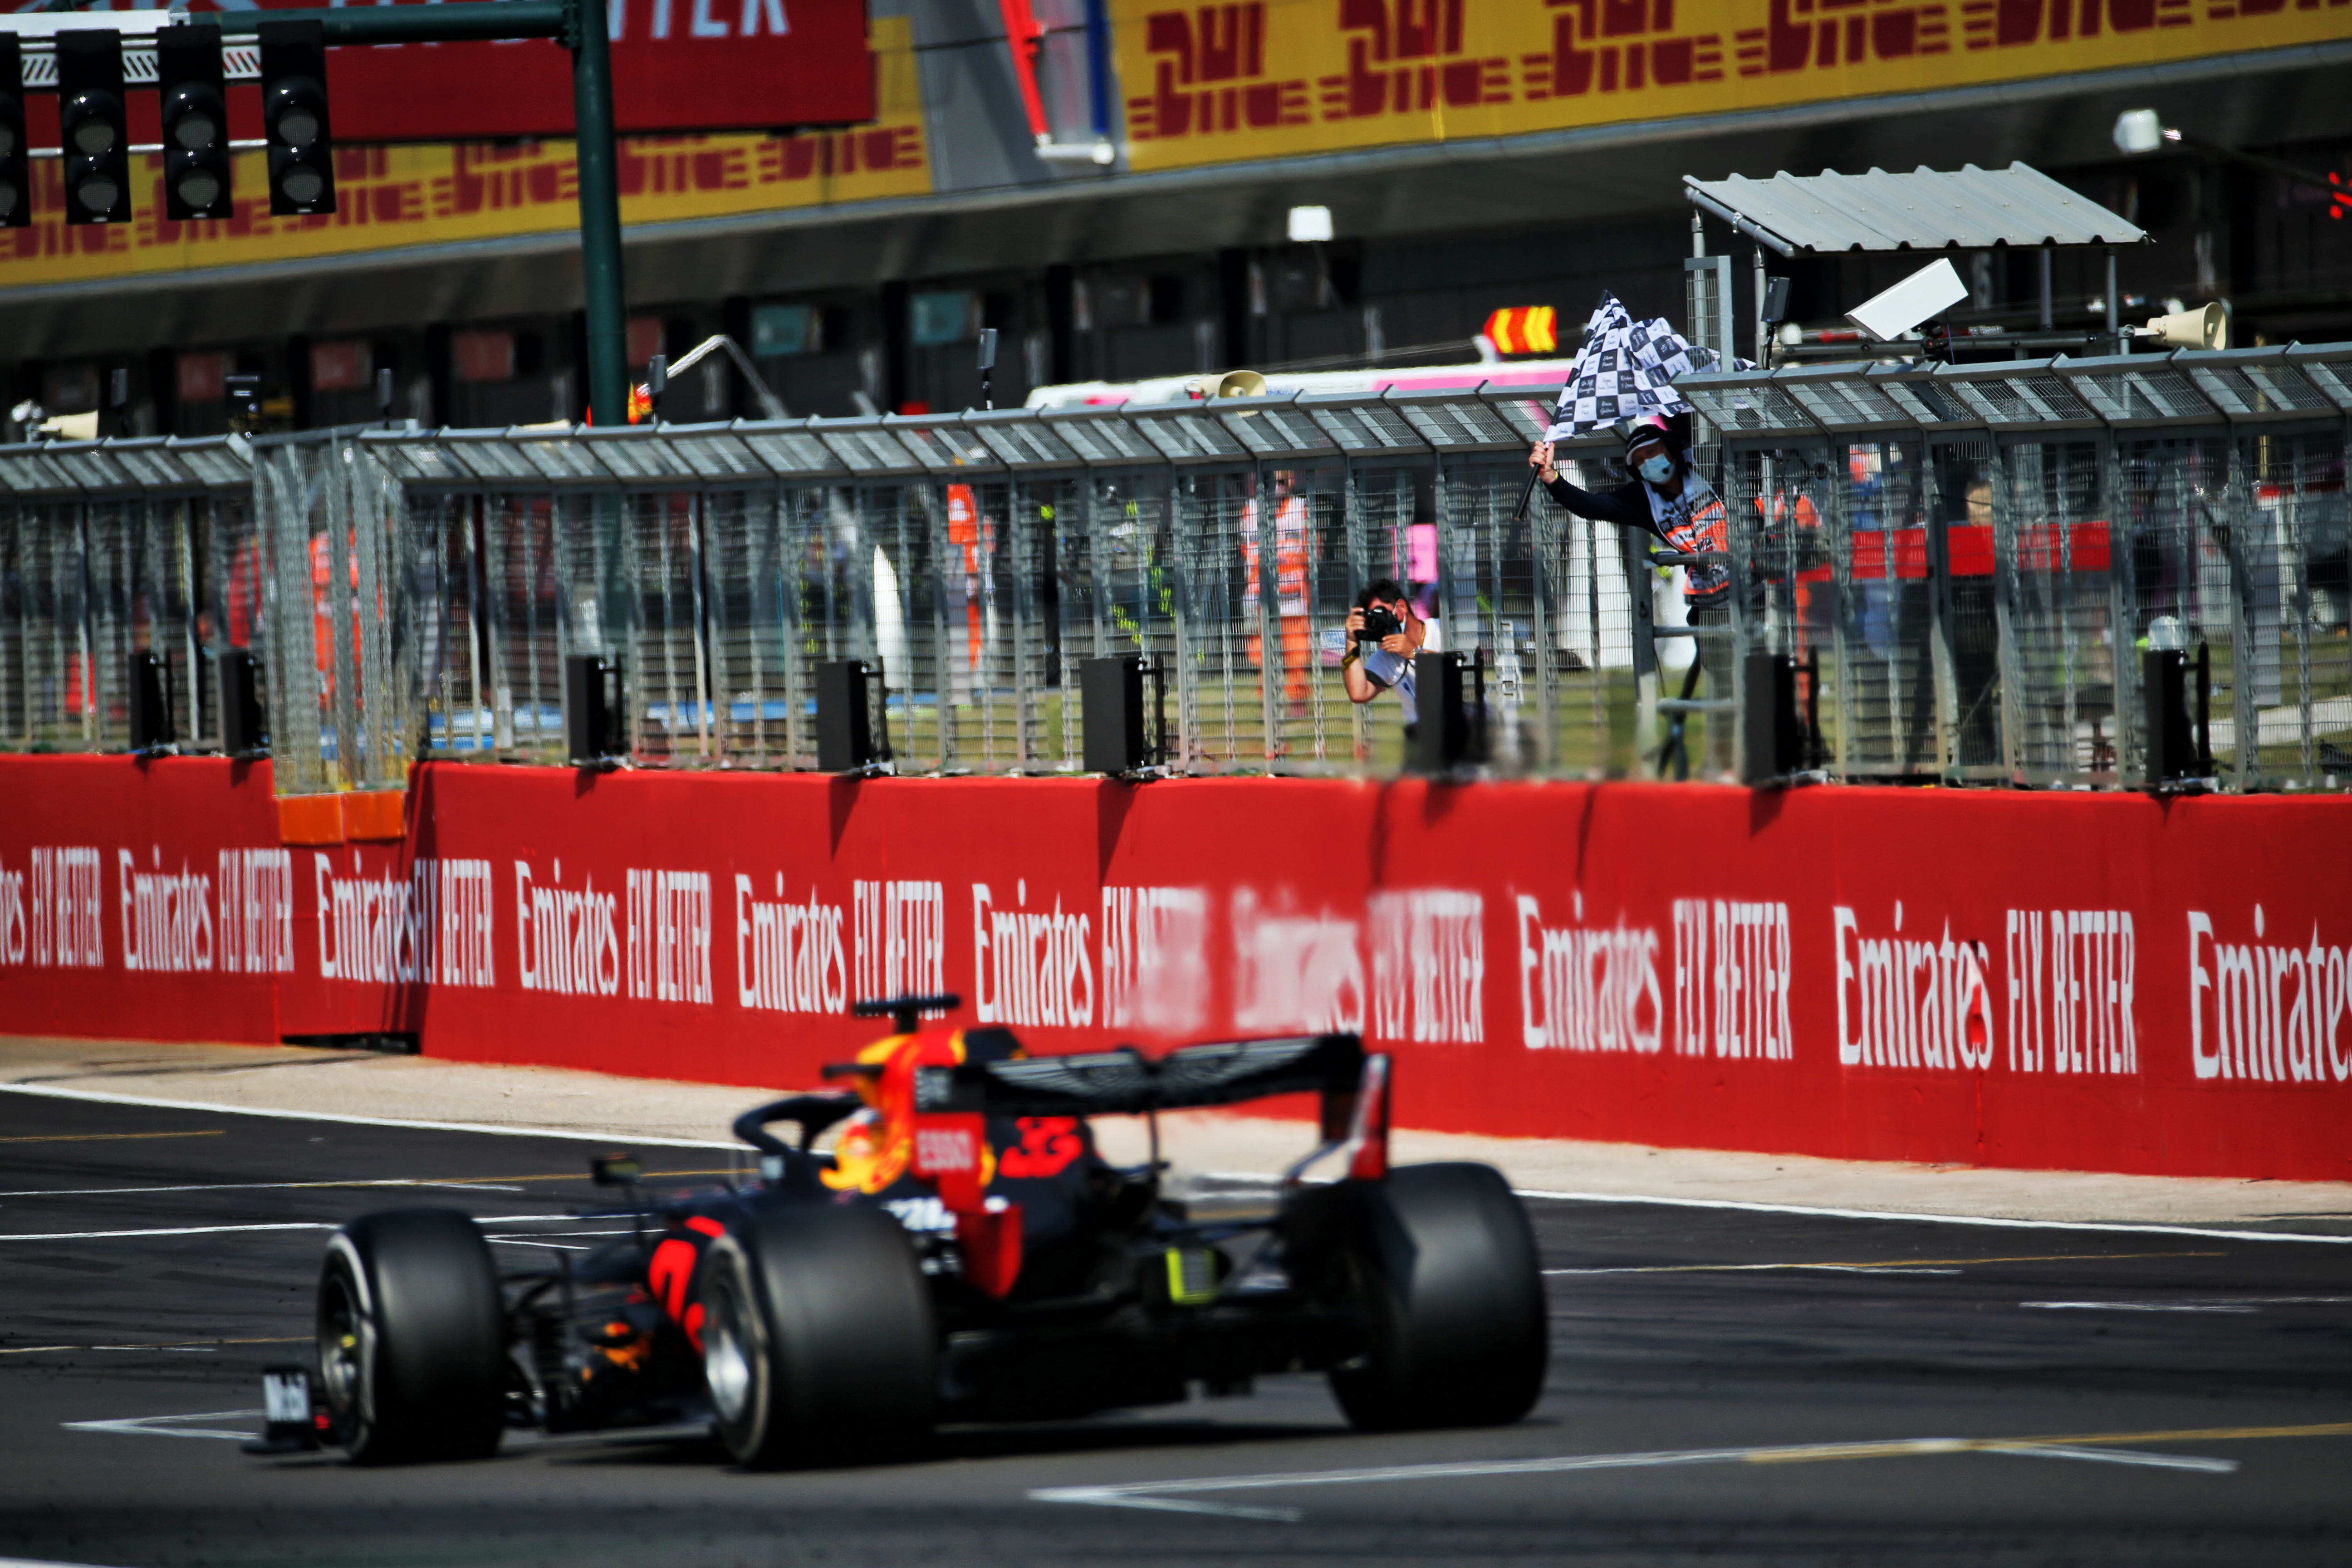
(1727, 1386)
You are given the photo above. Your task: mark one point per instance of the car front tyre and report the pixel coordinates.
(412, 1337)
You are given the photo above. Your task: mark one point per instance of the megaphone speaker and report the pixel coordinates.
(1242, 383)
(2206, 327)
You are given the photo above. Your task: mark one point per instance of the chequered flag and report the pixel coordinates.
(1636, 360)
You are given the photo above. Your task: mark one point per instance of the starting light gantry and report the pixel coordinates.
(93, 70)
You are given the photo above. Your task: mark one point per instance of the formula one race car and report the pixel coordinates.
(963, 1252)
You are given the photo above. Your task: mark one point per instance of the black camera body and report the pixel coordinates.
(1379, 621)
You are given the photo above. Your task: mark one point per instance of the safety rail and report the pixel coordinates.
(1962, 559)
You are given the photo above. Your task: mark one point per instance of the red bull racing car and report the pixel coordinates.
(962, 1251)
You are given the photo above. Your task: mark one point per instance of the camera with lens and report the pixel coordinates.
(1379, 621)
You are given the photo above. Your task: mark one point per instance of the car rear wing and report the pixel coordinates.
(1127, 1082)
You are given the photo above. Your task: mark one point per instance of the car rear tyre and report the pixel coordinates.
(412, 1337)
(818, 1337)
(1443, 1265)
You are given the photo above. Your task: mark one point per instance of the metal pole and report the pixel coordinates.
(467, 20)
(581, 27)
(600, 213)
(2045, 289)
(2115, 307)
(1762, 349)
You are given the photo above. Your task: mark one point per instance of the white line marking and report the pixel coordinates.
(624, 1231)
(2141, 1306)
(174, 1230)
(102, 1098)
(164, 1426)
(299, 1225)
(1758, 1268)
(557, 1246)
(2122, 1457)
(1933, 1218)
(354, 1183)
(106, 1137)
(1871, 1268)
(1117, 1496)
(41, 1563)
(1163, 1494)
(173, 1345)
(2209, 1304)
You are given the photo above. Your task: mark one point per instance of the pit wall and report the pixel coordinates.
(2053, 981)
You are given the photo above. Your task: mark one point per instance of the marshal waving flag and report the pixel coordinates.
(1625, 369)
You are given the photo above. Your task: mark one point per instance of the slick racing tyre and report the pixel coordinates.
(412, 1337)
(817, 1340)
(1443, 1264)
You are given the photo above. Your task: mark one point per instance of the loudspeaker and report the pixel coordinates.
(1771, 740)
(241, 728)
(591, 709)
(151, 702)
(2164, 686)
(1111, 691)
(845, 730)
(1445, 736)
(2206, 327)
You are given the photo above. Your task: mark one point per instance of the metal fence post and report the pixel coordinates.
(1359, 577)
(1021, 521)
(1543, 616)
(295, 750)
(2006, 611)
(1272, 672)
(1597, 682)
(1838, 525)
(1640, 626)
(955, 666)
(2122, 606)
(2244, 632)
(180, 531)
(94, 669)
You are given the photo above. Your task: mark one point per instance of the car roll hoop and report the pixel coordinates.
(814, 1113)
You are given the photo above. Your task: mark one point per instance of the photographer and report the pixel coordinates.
(1383, 635)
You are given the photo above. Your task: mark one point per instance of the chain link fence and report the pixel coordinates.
(1971, 561)
(1964, 562)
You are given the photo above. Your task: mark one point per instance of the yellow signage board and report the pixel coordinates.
(1211, 81)
(386, 198)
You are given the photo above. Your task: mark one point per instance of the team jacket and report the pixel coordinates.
(1628, 506)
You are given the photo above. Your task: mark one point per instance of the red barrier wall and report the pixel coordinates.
(2100, 982)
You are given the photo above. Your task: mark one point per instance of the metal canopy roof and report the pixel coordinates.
(1924, 210)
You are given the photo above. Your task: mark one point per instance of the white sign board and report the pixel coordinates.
(1916, 298)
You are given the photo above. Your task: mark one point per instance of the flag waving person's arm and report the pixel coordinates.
(1605, 506)
(1623, 371)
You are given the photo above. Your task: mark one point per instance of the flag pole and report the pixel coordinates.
(1519, 513)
